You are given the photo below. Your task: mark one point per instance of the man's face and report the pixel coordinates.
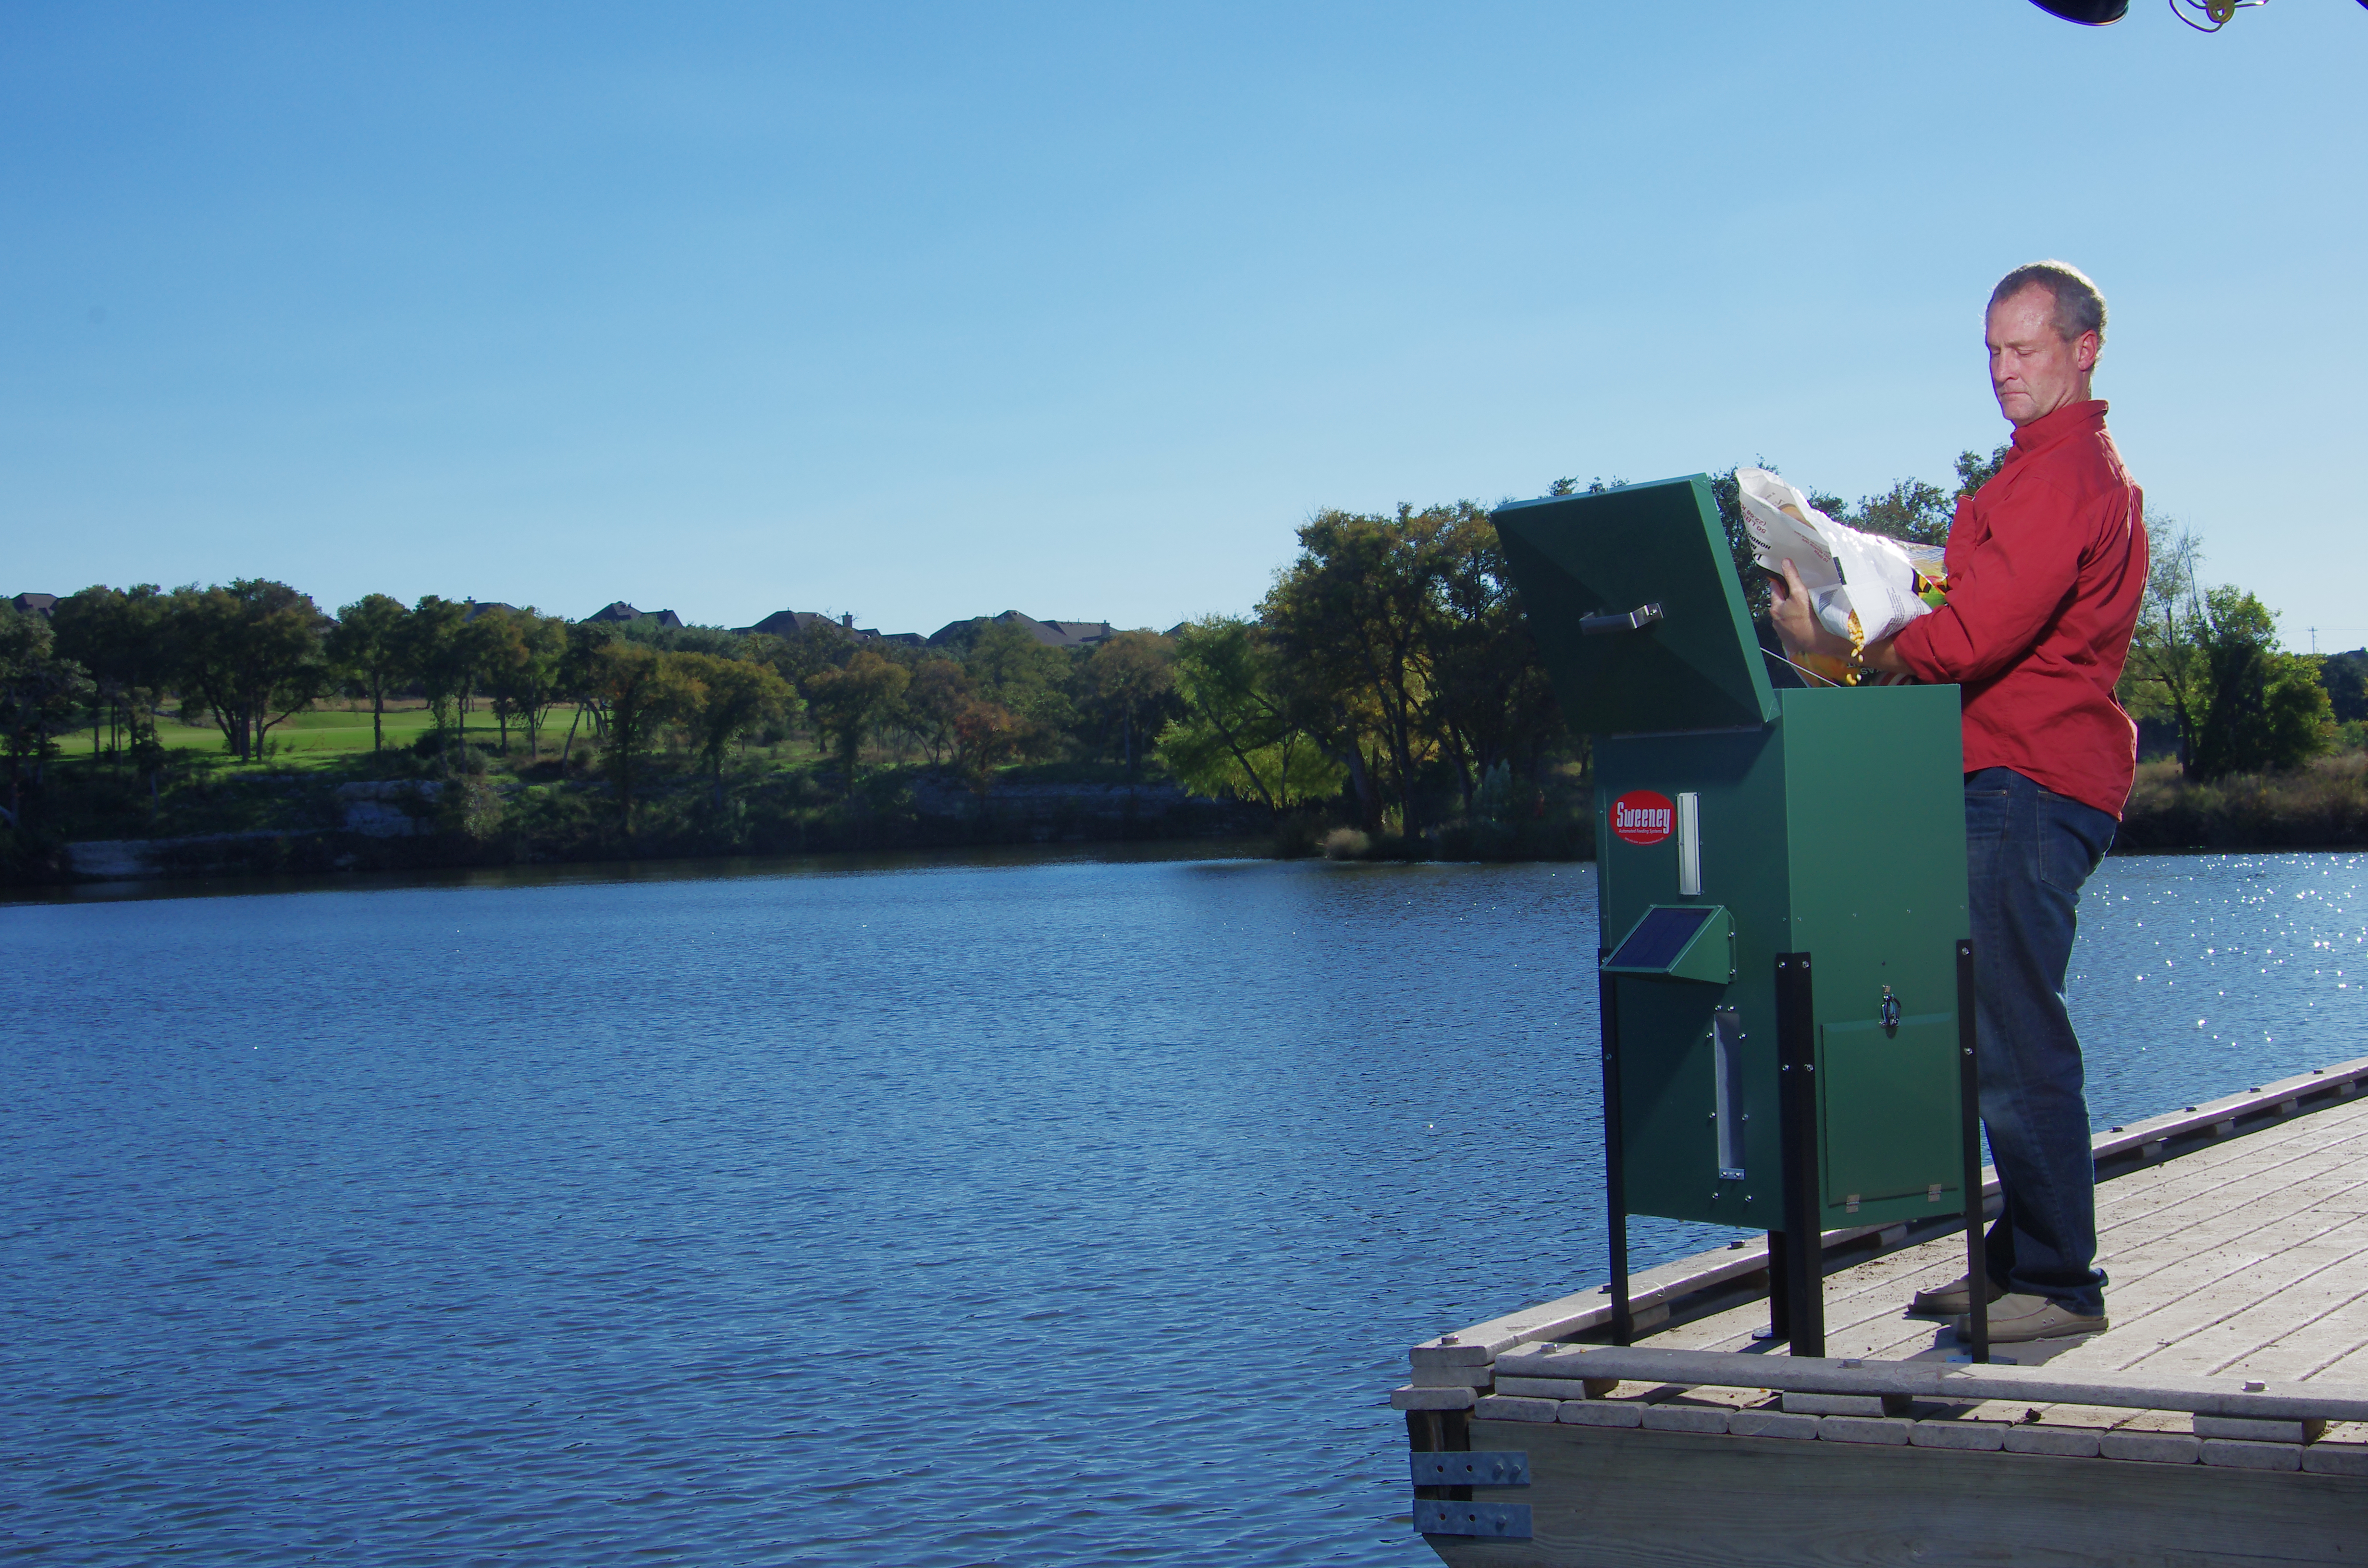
(2035, 370)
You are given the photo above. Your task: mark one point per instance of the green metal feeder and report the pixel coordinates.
(1786, 977)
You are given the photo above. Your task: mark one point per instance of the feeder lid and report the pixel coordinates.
(1633, 599)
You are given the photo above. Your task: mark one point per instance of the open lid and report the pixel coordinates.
(1590, 568)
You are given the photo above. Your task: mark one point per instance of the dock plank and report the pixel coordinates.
(2227, 1286)
(2242, 1260)
(2250, 1257)
(2246, 1342)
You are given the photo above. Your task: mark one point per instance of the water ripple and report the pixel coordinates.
(1069, 1213)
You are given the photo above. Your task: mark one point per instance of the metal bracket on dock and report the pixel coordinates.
(1504, 1521)
(1472, 1470)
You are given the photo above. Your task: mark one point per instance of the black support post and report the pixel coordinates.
(1969, 1091)
(1615, 1170)
(1804, 1279)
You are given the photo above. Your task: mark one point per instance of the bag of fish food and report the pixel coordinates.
(1860, 586)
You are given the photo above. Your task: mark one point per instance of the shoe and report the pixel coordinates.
(2015, 1319)
(1952, 1300)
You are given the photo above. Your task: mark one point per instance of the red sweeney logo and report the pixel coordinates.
(1644, 816)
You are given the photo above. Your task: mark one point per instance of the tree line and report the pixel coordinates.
(1390, 665)
(1387, 675)
(248, 656)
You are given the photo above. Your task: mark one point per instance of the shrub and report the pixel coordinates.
(2322, 805)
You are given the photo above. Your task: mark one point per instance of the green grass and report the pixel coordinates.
(329, 735)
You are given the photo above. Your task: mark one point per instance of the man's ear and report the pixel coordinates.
(2084, 351)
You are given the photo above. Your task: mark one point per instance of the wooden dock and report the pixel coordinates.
(2222, 1419)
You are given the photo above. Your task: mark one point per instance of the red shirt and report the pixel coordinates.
(2047, 568)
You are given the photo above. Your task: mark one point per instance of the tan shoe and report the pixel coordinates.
(2014, 1319)
(1952, 1300)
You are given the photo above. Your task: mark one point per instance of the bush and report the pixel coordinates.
(2322, 805)
(1347, 843)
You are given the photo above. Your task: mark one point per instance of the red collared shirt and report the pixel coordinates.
(2047, 570)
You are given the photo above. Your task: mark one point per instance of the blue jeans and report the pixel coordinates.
(2028, 850)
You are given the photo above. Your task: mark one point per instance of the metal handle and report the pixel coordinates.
(1635, 620)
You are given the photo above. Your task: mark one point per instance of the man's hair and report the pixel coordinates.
(2078, 307)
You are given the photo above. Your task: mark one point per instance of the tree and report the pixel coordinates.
(2269, 712)
(2167, 670)
(251, 653)
(1974, 471)
(852, 702)
(1911, 509)
(532, 682)
(1489, 700)
(933, 701)
(1126, 679)
(118, 637)
(724, 699)
(1008, 666)
(987, 737)
(366, 647)
(577, 667)
(41, 696)
(479, 645)
(434, 649)
(638, 689)
(519, 653)
(1235, 736)
(2345, 676)
(803, 650)
(1356, 612)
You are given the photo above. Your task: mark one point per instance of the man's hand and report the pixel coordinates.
(1796, 622)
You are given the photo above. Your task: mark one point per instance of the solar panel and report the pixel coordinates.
(1660, 937)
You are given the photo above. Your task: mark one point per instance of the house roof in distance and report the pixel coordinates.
(791, 623)
(34, 604)
(479, 607)
(1051, 634)
(622, 611)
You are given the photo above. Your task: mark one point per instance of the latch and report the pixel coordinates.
(1635, 620)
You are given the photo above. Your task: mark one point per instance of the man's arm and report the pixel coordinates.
(2002, 598)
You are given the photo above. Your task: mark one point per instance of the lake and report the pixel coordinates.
(1030, 1210)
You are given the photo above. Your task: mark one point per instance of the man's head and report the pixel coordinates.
(2045, 326)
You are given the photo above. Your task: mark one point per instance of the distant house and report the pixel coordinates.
(1070, 633)
(622, 611)
(479, 607)
(34, 604)
(791, 623)
(1051, 634)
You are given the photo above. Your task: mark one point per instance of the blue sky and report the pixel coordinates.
(925, 312)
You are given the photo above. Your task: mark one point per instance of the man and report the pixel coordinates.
(2048, 564)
